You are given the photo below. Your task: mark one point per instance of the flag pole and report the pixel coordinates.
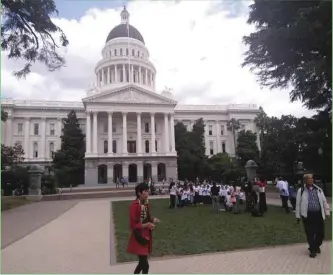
(129, 54)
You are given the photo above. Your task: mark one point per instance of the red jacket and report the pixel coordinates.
(134, 247)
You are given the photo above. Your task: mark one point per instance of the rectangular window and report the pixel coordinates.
(105, 146)
(20, 128)
(211, 148)
(36, 129)
(223, 147)
(156, 146)
(155, 128)
(35, 148)
(222, 130)
(51, 149)
(131, 146)
(114, 146)
(210, 130)
(52, 129)
(146, 127)
(105, 127)
(114, 127)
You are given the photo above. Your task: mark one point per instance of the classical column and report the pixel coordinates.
(131, 73)
(125, 170)
(172, 131)
(146, 77)
(140, 171)
(140, 75)
(166, 134)
(88, 133)
(115, 74)
(26, 137)
(218, 139)
(9, 126)
(110, 138)
(103, 79)
(151, 79)
(43, 138)
(95, 148)
(124, 73)
(108, 76)
(110, 172)
(139, 134)
(154, 173)
(152, 134)
(124, 133)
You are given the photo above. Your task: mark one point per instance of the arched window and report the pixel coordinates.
(147, 146)
(121, 51)
(114, 146)
(115, 52)
(35, 147)
(133, 52)
(126, 52)
(138, 54)
(105, 146)
(51, 149)
(156, 146)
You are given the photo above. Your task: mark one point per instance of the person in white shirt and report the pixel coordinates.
(196, 194)
(228, 202)
(201, 191)
(184, 198)
(173, 194)
(283, 187)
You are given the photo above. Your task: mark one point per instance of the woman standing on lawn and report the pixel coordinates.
(141, 224)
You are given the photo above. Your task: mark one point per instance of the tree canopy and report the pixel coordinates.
(247, 147)
(292, 44)
(69, 160)
(11, 155)
(28, 33)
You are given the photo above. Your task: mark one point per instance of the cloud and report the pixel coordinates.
(196, 47)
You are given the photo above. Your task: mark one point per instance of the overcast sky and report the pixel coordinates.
(196, 47)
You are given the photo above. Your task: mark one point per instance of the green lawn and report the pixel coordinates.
(196, 230)
(13, 202)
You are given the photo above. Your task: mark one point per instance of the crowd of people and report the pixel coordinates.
(223, 197)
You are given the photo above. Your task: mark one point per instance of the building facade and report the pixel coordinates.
(129, 127)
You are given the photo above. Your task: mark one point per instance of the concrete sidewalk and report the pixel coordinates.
(79, 241)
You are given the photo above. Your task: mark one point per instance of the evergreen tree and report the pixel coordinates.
(69, 160)
(247, 147)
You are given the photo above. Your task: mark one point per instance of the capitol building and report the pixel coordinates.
(129, 126)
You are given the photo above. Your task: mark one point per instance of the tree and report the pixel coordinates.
(27, 32)
(233, 125)
(69, 160)
(262, 121)
(11, 156)
(247, 147)
(292, 44)
(222, 167)
(191, 151)
(4, 115)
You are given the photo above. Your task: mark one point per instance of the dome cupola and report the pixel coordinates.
(124, 29)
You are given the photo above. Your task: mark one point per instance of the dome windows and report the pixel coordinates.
(121, 51)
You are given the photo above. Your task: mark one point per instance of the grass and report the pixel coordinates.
(13, 202)
(195, 230)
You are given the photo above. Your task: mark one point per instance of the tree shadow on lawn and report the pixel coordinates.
(195, 230)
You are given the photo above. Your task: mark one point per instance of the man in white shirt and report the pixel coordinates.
(284, 193)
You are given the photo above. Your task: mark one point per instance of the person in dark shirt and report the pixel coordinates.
(214, 191)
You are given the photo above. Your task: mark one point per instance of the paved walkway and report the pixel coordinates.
(79, 241)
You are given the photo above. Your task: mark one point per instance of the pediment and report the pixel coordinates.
(130, 95)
